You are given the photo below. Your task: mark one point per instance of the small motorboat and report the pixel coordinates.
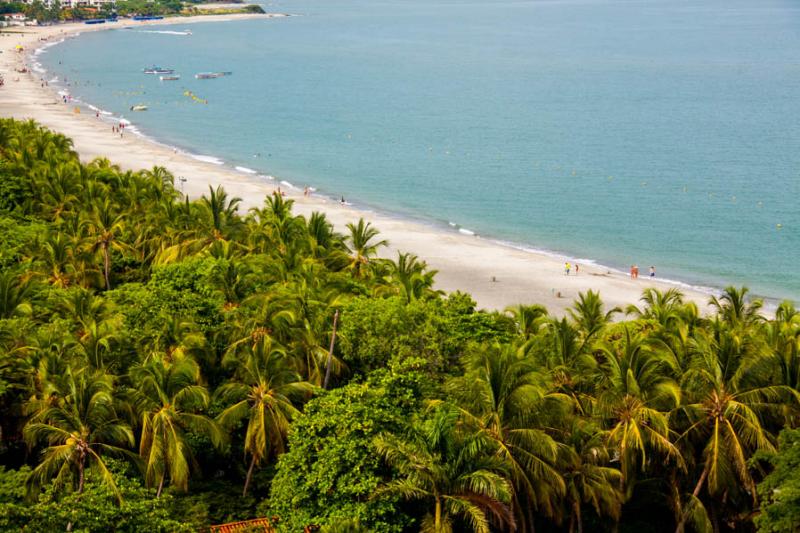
(170, 77)
(158, 70)
(139, 107)
(211, 75)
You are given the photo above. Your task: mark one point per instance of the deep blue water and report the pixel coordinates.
(660, 132)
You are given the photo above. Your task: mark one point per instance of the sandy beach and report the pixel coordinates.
(495, 275)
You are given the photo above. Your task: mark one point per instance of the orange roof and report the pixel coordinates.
(246, 525)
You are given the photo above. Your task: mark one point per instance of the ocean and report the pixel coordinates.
(655, 132)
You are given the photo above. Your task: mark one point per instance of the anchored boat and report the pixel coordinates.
(211, 75)
(171, 77)
(139, 107)
(158, 70)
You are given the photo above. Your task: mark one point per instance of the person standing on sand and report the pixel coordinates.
(577, 268)
(635, 271)
(631, 271)
(566, 269)
(652, 271)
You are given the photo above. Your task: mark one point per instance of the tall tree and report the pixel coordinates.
(264, 390)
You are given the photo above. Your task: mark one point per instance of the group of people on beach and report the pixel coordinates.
(568, 268)
(635, 271)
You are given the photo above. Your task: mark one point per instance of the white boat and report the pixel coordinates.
(158, 70)
(211, 75)
(170, 77)
(139, 107)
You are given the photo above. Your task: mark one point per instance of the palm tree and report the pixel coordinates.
(504, 398)
(362, 246)
(221, 211)
(169, 399)
(589, 314)
(734, 309)
(106, 224)
(77, 430)
(636, 395)
(528, 318)
(588, 478)
(455, 472)
(264, 390)
(663, 307)
(727, 392)
(410, 278)
(15, 295)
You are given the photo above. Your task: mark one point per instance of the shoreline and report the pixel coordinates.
(496, 273)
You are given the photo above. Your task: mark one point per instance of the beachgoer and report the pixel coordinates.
(652, 271)
(635, 271)
(566, 269)
(631, 271)
(577, 268)
(343, 202)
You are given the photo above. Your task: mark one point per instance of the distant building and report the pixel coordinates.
(74, 3)
(14, 19)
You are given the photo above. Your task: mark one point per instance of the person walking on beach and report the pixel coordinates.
(635, 271)
(566, 268)
(652, 271)
(631, 271)
(577, 268)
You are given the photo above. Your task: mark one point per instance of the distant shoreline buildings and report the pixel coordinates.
(70, 4)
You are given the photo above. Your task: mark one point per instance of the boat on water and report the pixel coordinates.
(158, 70)
(211, 75)
(171, 77)
(139, 107)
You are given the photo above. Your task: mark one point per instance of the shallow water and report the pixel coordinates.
(659, 132)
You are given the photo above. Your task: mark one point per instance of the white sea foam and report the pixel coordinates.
(246, 170)
(286, 183)
(207, 159)
(465, 231)
(165, 32)
(266, 177)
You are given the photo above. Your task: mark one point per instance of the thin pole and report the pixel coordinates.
(330, 351)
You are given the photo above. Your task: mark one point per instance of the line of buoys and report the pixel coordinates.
(194, 97)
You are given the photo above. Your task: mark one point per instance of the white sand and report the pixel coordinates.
(496, 276)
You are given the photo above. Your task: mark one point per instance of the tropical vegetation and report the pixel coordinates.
(169, 363)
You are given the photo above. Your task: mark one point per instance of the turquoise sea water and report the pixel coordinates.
(660, 132)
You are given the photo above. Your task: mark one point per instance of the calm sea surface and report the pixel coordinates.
(662, 132)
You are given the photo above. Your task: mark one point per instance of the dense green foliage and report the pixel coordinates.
(165, 365)
(39, 11)
(780, 491)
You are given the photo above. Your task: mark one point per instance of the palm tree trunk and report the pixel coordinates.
(685, 514)
(106, 266)
(161, 484)
(437, 517)
(249, 474)
(576, 506)
(81, 473)
(81, 480)
(330, 351)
